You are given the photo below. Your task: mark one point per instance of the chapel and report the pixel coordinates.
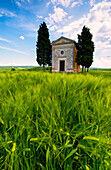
(63, 56)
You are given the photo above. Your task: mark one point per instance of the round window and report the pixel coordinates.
(62, 52)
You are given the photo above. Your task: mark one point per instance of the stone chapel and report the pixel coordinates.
(63, 56)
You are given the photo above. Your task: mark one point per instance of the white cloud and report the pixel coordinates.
(25, 1)
(5, 40)
(18, 3)
(10, 49)
(4, 12)
(74, 26)
(92, 2)
(102, 62)
(74, 4)
(21, 37)
(39, 16)
(70, 17)
(48, 3)
(99, 21)
(58, 15)
(66, 3)
(53, 28)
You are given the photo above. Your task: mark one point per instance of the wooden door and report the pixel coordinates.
(62, 65)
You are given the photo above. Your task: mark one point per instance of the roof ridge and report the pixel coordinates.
(63, 38)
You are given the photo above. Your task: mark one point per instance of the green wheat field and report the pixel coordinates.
(52, 121)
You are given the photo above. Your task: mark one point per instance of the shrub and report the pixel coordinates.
(12, 69)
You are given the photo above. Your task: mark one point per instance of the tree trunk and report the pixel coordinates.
(50, 69)
(82, 69)
(87, 69)
(77, 68)
(43, 68)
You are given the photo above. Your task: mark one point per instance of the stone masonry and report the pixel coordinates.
(64, 49)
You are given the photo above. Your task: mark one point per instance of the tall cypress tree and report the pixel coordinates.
(43, 45)
(85, 48)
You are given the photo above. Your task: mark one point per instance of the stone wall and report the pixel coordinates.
(68, 47)
(68, 56)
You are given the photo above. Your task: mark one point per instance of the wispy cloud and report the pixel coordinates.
(38, 16)
(70, 17)
(48, 3)
(14, 50)
(5, 40)
(20, 2)
(66, 3)
(5, 12)
(74, 4)
(28, 1)
(28, 27)
(92, 2)
(53, 28)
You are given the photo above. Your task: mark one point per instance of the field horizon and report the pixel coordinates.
(42, 66)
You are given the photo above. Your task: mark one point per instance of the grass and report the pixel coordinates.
(5, 68)
(24, 68)
(55, 121)
(38, 69)
(103, 73)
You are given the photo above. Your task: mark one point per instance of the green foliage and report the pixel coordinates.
(7, 68)
(43, 49)
(12, 69)
(104, 73)
(38, 69)
(54, 121)
(85, 48)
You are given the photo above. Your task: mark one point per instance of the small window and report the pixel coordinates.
(62, 52)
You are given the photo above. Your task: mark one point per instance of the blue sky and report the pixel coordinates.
(20, 20)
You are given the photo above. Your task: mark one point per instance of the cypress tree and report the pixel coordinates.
(85, 48)
(43, 45)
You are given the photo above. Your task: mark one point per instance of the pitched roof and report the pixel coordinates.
(66, 41)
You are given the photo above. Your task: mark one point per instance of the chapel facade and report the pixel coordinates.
(63, 56)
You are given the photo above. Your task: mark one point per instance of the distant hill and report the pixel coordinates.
(96, 68)
(19, 66)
